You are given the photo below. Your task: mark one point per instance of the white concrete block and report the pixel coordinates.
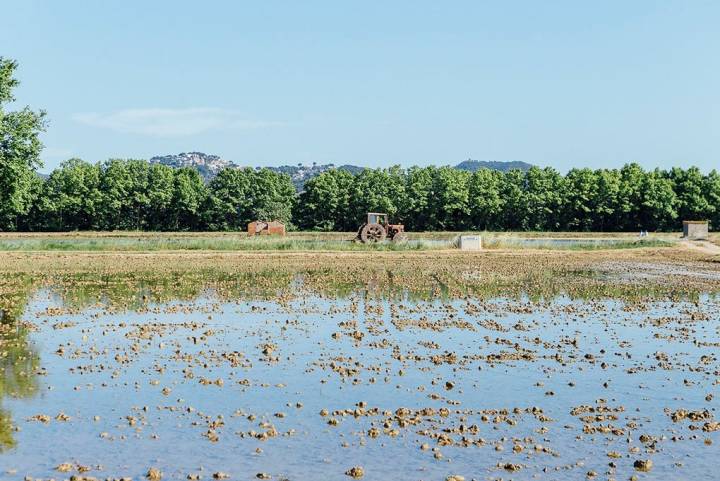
(470, 243)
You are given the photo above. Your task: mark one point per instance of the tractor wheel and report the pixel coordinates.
(400, 237)
(358, 237)
(373, 233)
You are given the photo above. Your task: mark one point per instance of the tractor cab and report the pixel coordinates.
(377, 218)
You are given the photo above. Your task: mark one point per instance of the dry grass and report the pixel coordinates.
(444, 235)
(458, 271)
(311, 241)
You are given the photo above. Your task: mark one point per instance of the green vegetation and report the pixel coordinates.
(493, 242)
(19, 152)
(18, 367)
(303, 241)
(432, 198)
(137, 195)
(239, 243)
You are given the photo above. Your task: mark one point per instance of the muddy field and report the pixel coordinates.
(419, 366)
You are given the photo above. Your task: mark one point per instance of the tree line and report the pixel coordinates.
(138, 195)
(539, 199)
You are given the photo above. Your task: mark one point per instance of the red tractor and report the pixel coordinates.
(377, 229)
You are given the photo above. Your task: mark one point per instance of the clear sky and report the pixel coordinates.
(374, 83)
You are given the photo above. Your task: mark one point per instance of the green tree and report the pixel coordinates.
(512, 190)
(274, 210)
(269, 191)
(125, 201)
(71, 197)
(711, 191)
(20, 149)
(450, 199)
(376, 190)
(228, 203)
(581, 199)
(34, 219)
(628, 212)
(606, 200)
(689, 188)
(239, 196)
(658, 203)
(544, 201)
(189, 194)
(160, 197)
(485, 199)
(417, 210)
(324, 203)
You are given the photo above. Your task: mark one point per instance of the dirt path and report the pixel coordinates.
(706, 247)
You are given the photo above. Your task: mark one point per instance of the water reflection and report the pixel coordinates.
(18, 371)
(19, 361)
(228, 377)
(133, 291)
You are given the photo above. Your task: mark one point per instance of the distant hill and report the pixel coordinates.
(209, 166)
(302, 173)
(473, 165)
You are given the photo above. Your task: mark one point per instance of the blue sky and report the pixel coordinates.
(375, 83)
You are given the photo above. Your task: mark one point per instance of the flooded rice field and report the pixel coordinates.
(309, 387)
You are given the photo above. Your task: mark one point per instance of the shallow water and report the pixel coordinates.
(186, 388)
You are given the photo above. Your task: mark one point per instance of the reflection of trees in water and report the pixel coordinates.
(19, 362)
(18, 366)
(6, 437)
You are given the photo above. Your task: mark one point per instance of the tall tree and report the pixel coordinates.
(189, 194)
(628, 212)
(238, 196)
(450, 198)
(125, 202)
(71, 197)
(160, 197)
(485, 199)
(376, 190)
(581, 199)
(512, 190)
(658, 203)
(544, 191)
(228, 203)
(20, 149)
(689, 188)
(606, 202)
(324, 202)
(711, 191)
(272, 196)
(418, 209)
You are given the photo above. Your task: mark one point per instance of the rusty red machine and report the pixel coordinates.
(378, 228)
(260, 227)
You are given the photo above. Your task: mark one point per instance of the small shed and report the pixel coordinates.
(695, 229)
(260, 227)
